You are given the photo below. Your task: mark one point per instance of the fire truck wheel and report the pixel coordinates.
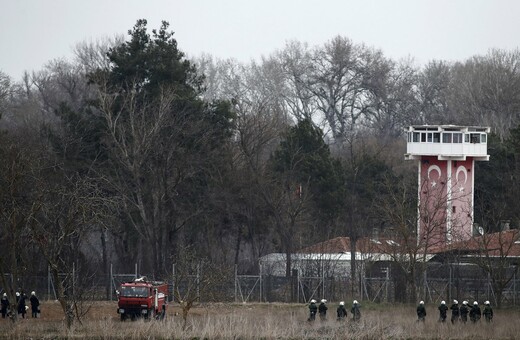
(123, 317)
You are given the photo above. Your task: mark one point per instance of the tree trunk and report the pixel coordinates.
(105, 262)
(237, 245)
(68, 312)
(353, 286)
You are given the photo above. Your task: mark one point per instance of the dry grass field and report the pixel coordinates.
(259, 321)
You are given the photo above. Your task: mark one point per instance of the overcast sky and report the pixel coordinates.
(32, 32)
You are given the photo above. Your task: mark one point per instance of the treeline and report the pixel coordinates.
(133, 153)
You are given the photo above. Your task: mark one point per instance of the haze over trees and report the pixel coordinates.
(232, 160)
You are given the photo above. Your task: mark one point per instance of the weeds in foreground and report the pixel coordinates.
(269, 322)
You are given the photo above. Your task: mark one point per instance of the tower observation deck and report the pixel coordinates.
(447, 142)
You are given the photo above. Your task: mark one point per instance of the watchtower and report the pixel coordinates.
(445, 156)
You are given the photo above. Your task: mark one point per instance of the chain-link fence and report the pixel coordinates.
(386, 284)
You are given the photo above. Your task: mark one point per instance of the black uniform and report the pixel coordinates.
(475, 313)
(443, 312)
(455, 312)
(21, 304)
(488, 313)
(35, 305)
(421, 312)
(464, 310)
(322, 309)
(5, 306)
(341, 312)
(356, 313)
(313, 309)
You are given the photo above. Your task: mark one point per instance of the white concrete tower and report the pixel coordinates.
(445, 156)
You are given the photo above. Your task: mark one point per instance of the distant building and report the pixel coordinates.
(332, 257)
(499, 246)
(483, 265)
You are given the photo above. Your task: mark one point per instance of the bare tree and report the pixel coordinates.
(197, 279)
(393, 98)
(92, 55)
(258, 136)
(434, 84)
(5, 92)
(288, 203)
(414, 245)
(16, 182)
(494, 256)
(63, 212)
(482, 90)
(295, 64)
(132, 139)
(339, 83)
(406, 252)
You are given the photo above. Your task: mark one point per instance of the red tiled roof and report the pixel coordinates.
(343, 245)
(504, 243)
(336, 245)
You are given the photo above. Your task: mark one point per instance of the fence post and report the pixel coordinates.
(48, 282)
(198, 281)
(173, 282)
(387, 282)
(261, 283)
(361, 273)
(298, 287)
(425, 284)
(236, 279)
(73, 277)
(322, 280)
(111, 279)
(488, 285)
(449, 285)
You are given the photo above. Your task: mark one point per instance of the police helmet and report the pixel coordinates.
(342, 303)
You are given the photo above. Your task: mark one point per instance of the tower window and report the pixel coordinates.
(475, 138)
(457, 138)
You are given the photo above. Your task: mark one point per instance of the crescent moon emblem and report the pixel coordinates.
(436, 168)
(464, 171)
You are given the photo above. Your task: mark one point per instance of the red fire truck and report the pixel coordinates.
(142, 298)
